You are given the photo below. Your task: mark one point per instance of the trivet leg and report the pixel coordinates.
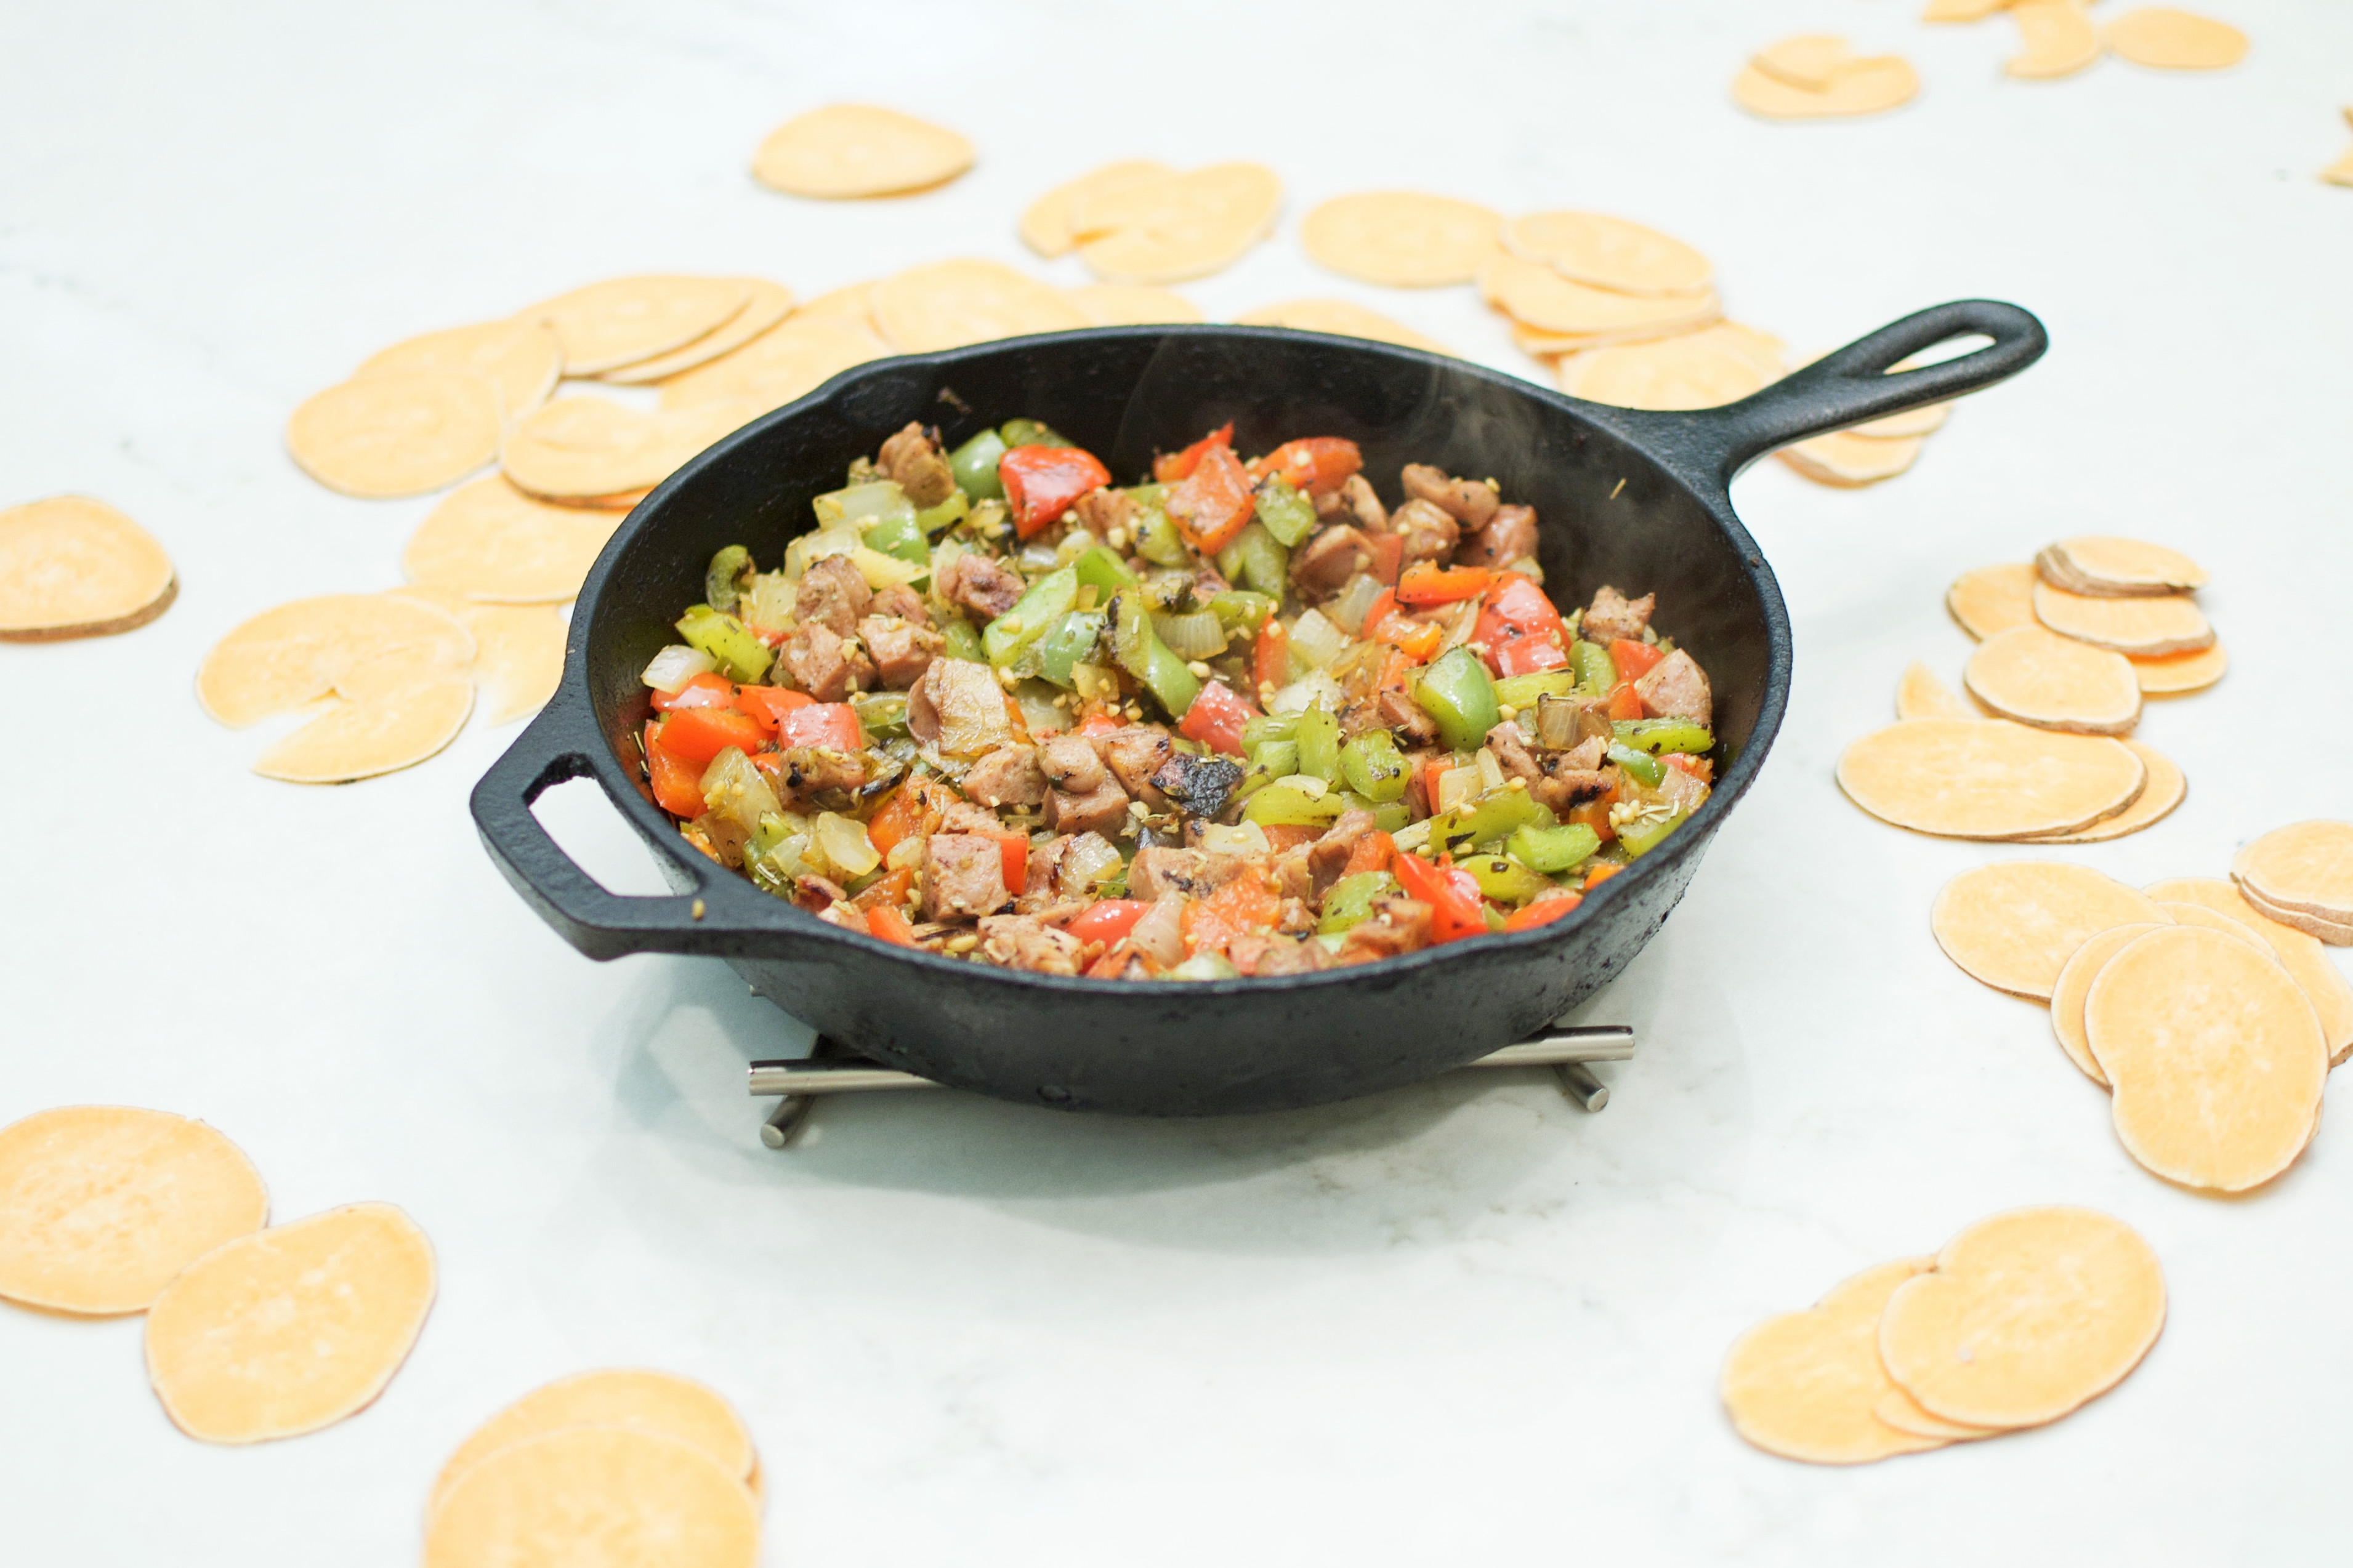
(1578, 1082)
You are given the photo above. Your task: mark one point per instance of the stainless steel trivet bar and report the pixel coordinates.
(829, 1070)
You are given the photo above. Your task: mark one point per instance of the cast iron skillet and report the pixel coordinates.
(1638, 500)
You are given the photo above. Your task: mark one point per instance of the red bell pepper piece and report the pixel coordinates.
(1291, 836)
(769, 704)
(1429, 771)
(1633, 659)
(1270, 657)
(1107, 921)
(1595, 814)
(1216, 719)
(1544, 911)
(705, 691)
(1373, 852)
(1015, 847)
(1526, 656)
(1625, 702)
(1424, 584)
(832, 724)
(1456, 909)
(1170, 466)
(1417, 640)
(911, 811)
(1388, 556)
(1113, 962)
(695, 735)
(1318, 464)
(1601, 874)
(1040, 483)
(890, 926)
(677, 783)
(1207, 928)
(1212, 503)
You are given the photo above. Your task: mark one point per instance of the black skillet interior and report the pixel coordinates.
(1636, 499)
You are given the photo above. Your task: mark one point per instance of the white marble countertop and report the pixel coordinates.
(1458, 1322)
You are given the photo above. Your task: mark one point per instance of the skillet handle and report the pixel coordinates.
(1852, 385)
(556, 746)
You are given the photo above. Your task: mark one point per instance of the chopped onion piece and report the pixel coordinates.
(1307, 784)
(1088, 862)
(1347, 611)
(1316, 642)
(1160, 934)
(674, 666)
(1457, 785)
(1491, 772)
(811, 548)
(1248, 838)
(1205, 966)
(882, 570)
(1314, 689)
(844, 844)
(1193, 637)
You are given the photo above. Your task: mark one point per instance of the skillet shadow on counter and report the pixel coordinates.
(1423, 1164)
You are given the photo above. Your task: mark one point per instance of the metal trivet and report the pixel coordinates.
(830, 1070)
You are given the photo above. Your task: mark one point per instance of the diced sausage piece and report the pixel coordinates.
(1134, 754)
(912, 457)
(1565, 787)
(1565, 722)
(832, 594)
(1277, 954)
(1296, 917)
(1225, 866)
(1430, 531)
(898, 599)
(1070, 765)
(1510, 535)
(1023, 941)
(964, 877)
(1512, 755)
(1157, 872)
(1324, 563)
(901, 650)
(1038, 873)
(827, 667)
(1676, 688)
(1008, 775)
(1418, 805)
(980, 585)
(1399, 925)
(849, 916)
(1687, 791)
(958, 706)
(963, 816)
(804, 771)
(1330, 506)
(1099, 810)
(1467, 502)
(1370, 514)
(1328, 855)
(1586, 755)
(1102, 510)
(1400, 711)
(1613, 615)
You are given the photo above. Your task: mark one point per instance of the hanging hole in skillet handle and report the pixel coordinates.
(1854, 385)
(558, 746)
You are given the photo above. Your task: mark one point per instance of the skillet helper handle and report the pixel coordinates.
(1852, 384)
(559, 746)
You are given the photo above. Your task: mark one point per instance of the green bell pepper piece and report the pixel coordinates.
(1099, 569)
(1552, 849)
(1457, 693)
(1268, 727)
(953, 511)
(1032, 433)
(1284, 513)
(1388, 816)
(1287, 805)
(1373, 766)
(1524, 691)
(741, 657)
(1596, 672)
(1493, 818)
(1638, 764)
(1069, 644)
(1500, 877)
(1641, 835)
(1318, 738)
(973, 464)
(880, 713)
(1349, 901)
(725, 579)
(901, 536)
(1257, 559)
(1157, 539)
(962, 641)
(1656, 735)
(1141, 653)
(1037, 611)
(1240, 611)
(1278, 758)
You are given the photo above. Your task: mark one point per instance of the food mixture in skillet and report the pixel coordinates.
(1244, 718)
